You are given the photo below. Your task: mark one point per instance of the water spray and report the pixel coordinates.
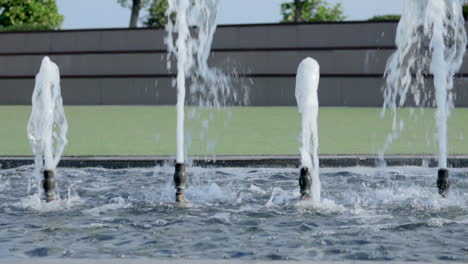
(191, 48)
(47, 127)
(431, 39)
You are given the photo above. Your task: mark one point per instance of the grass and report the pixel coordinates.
(138, 130)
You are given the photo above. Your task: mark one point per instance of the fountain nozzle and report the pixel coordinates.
(443, 182)
(180, 179)
(305, 182)
(49, 185)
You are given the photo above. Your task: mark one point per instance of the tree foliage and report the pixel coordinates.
(25, 27)
(385, 18)
(157, 14)
(311, 11)
(29, 14)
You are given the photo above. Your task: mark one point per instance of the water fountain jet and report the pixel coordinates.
(194, 24)
(47, 126)
(431, 39)
(307, 81)
(182, 52)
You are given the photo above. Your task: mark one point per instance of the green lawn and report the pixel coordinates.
(136, 130)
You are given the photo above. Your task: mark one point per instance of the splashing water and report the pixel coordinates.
(194, 22)
(307, 82)
(366, 214)
(431, 39)
(47, 127)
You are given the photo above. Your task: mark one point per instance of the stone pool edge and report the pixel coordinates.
(120, 162)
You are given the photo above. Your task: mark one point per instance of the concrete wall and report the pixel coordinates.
(122, 66)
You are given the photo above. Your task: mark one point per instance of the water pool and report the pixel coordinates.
(365, 214)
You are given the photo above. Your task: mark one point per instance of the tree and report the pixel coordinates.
(385, 18)
(136, 6)
(157, 14)
(297, 11)
(30, 14)
(311, 11)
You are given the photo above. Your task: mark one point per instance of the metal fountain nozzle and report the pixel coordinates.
(48, 183)
(305, 182)
(180, 179)
(443, 182)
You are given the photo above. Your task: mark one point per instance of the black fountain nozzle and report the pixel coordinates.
(443, 182)
(180, 179)
(49, 185)
(305, 182)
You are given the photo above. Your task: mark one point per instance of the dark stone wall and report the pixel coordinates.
(128, 66)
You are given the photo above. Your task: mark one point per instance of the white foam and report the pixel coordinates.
(34, 202)
(255, 189)
(325, 206)
(115, 204)
(438, 222)
(280, 197)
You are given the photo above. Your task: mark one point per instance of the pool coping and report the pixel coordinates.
(271, 161)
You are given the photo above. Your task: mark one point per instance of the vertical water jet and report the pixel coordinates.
(431, 40)
(182, 52)
(190, 29)
(47, 126)
(307, 82)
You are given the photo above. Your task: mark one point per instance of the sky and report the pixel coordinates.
(109, 14)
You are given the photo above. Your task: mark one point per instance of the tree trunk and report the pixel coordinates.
(136, 6)
(298, 11)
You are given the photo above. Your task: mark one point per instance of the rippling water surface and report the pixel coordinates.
(365, 214)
